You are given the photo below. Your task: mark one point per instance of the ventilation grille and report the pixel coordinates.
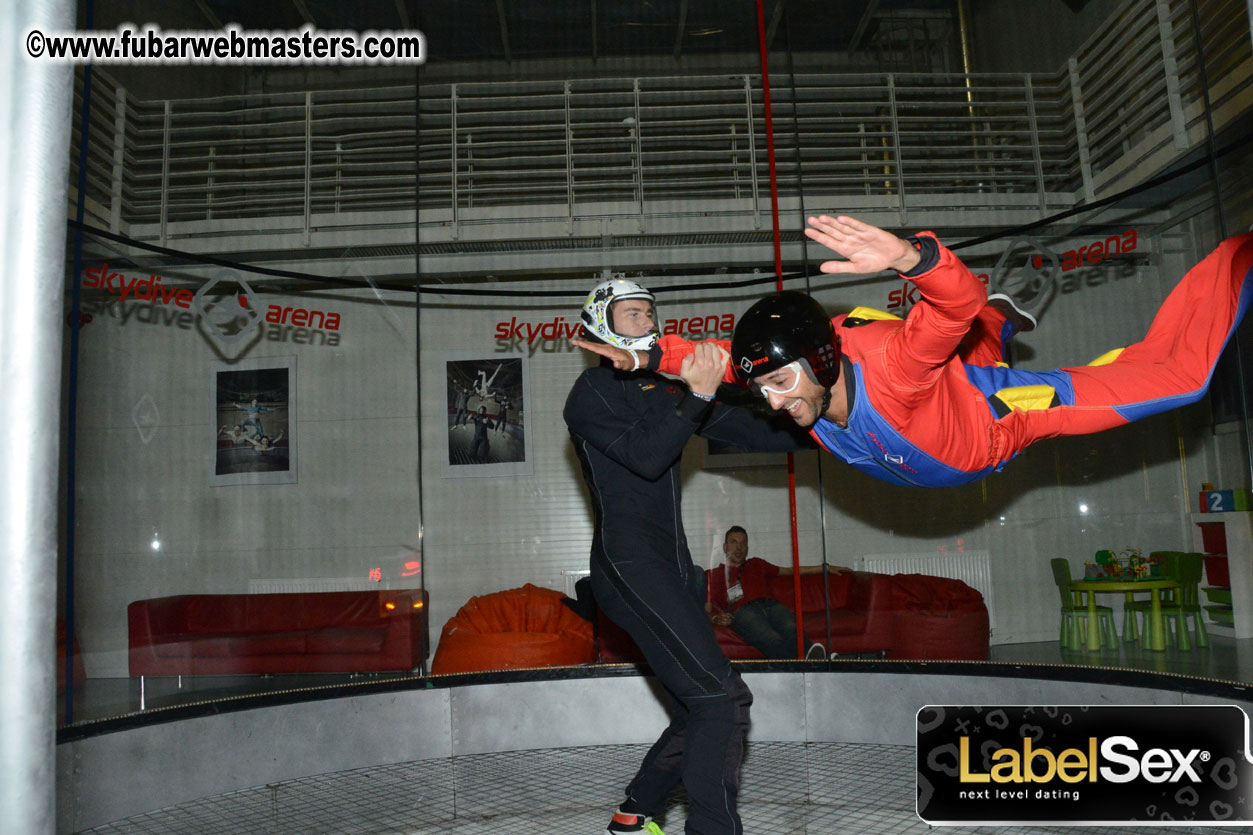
(307, 584)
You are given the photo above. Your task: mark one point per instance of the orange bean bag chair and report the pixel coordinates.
(526, 627)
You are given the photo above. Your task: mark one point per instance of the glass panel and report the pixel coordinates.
(263, 403)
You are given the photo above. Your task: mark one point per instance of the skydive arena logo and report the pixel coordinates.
(1084, 765)
(223, 314)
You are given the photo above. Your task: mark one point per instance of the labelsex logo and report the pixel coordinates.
(1040, 765)
(1106, 764)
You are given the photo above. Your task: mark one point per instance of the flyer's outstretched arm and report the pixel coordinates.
(868, 249)
(621, 357)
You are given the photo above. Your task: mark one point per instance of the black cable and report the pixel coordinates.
(442, 289)
(71, 407)
(436, 289)
(800, 193)
(1159, 180)
(417, 338)
(1222, 226)
(209, 259)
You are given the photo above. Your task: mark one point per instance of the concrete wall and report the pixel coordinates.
(179, 761)
(1032, 37)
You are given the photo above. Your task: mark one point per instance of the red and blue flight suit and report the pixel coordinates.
(930, 407)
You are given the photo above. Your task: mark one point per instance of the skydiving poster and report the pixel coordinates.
(253, 422)
(486, 417)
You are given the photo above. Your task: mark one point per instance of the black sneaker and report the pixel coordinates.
(623, 822)
(1022, 321)
(816, 652)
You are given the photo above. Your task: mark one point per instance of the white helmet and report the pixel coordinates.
(596, 317)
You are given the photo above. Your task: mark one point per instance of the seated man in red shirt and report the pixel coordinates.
(739, 597)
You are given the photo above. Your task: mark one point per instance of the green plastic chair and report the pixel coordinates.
(1186, 570)
(1075, 614)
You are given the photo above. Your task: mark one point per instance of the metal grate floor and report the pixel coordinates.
(819, 788)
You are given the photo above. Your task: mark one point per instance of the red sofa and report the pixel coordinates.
(306, 632)
(937, 619)
(903, 616)
(861, 618)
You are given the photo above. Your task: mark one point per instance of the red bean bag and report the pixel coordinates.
(526, 627)
(937, 619)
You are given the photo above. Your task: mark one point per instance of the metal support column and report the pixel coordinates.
(1034, 125)
(305, 237)
(896, 146)
(165, 170)
(752, 150)
(452, 159)
(1081, 133)
(1178, 123)
(569, 162)
(210, 183)
(119, 159)
(36, 98)
(636, 134)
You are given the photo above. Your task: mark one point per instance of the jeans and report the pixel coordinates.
(769, 626)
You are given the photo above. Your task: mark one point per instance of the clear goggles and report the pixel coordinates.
(783, 380)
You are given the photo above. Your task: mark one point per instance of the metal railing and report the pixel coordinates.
(1127, 102)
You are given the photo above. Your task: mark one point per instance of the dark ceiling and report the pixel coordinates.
(531, 29)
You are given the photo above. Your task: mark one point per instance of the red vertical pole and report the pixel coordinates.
(778, 273)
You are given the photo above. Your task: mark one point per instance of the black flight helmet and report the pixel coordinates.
(781, 329)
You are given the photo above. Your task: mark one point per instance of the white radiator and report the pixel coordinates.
(572, 576)
(304, 584)
(974, 568)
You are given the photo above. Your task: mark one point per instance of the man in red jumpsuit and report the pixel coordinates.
(921, 401)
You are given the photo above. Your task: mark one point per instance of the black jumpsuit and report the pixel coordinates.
(629, 430)
(481, 424)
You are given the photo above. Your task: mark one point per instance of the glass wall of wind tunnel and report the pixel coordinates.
(634, 158)
(1098, 126)
(563, 153)
(242, 512)
(555, 145)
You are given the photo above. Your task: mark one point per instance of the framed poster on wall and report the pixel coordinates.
(254, 421)
(486, 411)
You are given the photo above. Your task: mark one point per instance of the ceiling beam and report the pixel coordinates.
(403, 14)
(871, 8)
(504, 29)
(773, 27)
(208, 13)
(303, 11)
(678, 37)
(595, 44)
